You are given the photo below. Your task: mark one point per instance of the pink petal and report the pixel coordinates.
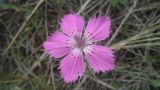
(72, 66)
(56, 45)
(100, 58)
(72, 24)
(98, 28)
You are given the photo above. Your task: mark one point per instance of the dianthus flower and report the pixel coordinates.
(77, 43)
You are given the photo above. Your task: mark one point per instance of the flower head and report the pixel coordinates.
(75, 43)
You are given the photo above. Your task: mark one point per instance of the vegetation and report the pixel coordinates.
(25, 24)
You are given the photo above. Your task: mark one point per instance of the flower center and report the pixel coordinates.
(80, 42)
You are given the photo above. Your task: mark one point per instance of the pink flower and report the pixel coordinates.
(77, 42)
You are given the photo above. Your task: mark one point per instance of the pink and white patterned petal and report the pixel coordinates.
(100, 58)
(72, 24)
(56, 45)
(98, 28)
(72, 66)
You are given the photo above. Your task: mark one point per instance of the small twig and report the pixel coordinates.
(123, 21)
(83, 7)
(46, 20)
(52, 76)
(141, 35)
(142, 45)
(80, 83)
(101, 82)
(92, 6)
(148, 7)
(38, 62)
(23, 25)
